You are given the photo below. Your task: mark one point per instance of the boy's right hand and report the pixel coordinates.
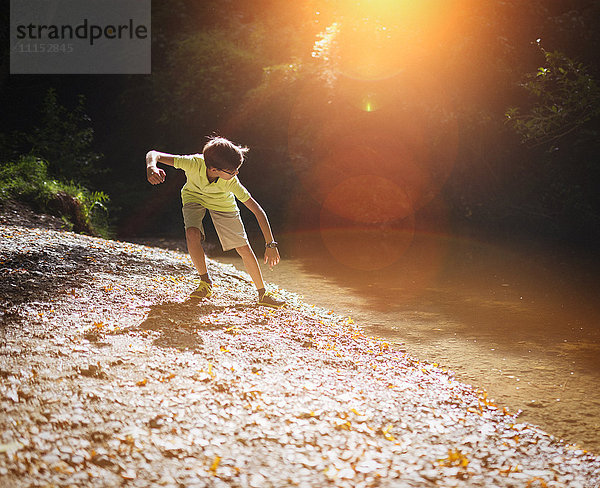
(155, 175)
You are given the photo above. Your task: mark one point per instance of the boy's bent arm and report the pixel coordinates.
(154, 174)
(271, 253)
(160, 157)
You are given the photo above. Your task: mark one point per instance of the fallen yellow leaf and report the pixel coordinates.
(215, 464)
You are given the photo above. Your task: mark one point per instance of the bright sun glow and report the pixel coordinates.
(374, 162)
(377, 39)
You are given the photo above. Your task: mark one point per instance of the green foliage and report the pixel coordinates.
(560, 132)
(27, 180)
(64, 139)
(209, 74)
(567, 97)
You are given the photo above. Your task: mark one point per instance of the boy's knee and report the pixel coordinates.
(244, 250)
(193, 233)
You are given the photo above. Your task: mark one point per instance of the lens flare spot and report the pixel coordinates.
(370, 102)
(368, 199)
(332, 142)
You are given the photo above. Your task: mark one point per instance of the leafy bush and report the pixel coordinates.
(64, 139)
(566, 98)
(26, 180)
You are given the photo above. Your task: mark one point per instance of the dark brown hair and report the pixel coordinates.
(221, 153)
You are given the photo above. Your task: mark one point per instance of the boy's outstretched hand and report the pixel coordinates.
(272, 256)
(155, 175)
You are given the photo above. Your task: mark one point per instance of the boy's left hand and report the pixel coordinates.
(272, 256)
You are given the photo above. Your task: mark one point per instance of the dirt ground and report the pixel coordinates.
(111, 376)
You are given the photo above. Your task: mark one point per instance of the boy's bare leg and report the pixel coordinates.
(193, 236)
(251, 265)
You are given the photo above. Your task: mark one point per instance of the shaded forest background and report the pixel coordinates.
(376, 116)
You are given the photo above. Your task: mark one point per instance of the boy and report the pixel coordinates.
(212, 185)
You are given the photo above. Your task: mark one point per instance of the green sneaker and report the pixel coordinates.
(268, 300)
(203, 291)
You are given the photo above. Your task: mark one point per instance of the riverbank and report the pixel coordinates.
(110, 376)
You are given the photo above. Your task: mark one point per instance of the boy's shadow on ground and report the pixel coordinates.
(179, 323)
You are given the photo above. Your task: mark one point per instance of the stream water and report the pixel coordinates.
(522, 322)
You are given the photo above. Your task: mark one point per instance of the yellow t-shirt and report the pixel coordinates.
(218, 195)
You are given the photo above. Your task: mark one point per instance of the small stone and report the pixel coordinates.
(129, 474)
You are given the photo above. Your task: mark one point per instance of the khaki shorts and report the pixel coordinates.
(228, 225)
